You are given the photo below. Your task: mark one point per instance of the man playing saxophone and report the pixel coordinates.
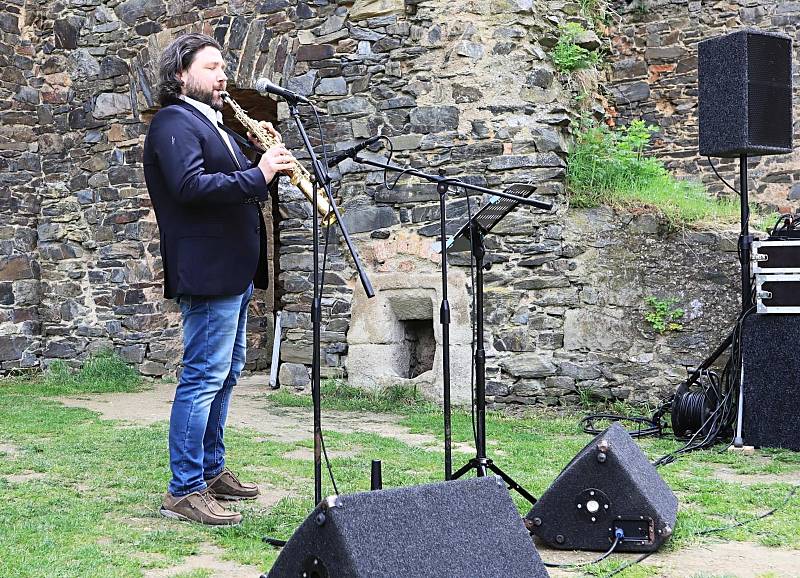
(205, 194)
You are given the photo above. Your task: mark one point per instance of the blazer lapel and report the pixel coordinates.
(213, 128)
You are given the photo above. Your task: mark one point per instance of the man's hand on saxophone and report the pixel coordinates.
(276, 159)
(269, 128)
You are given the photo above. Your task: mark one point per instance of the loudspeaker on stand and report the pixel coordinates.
(745, 81)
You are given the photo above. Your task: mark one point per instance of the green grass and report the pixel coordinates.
(80, 494)
(609, 167)
(104, 372)
(348, 398)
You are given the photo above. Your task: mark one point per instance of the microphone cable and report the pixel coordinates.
(786, 500)
(322, 285)
(618, 536)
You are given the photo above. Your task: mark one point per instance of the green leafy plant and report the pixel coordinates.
(609, 167)
(662, 315)
(568, 56)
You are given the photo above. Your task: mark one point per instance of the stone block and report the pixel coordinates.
(364, 9)
(579, 371)
(13, 347)
(471, 50)
(111, 104)
(508, 162)
(596, 331)
(131, 10)
(294, 375)
(152, 368)
(362, 219)
(352, 105)
(303, 84)
(296, 351)
(631, 92)
(629, 69)
(311, 52)
(67, 348)
(132, 353)
(66, 32)
(429, 119)
(18, 267)
(529, 365)
(336, 86)
(6, 294)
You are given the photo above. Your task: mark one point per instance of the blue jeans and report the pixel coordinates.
(214, 348)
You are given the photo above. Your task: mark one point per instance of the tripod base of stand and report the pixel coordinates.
(484, 465)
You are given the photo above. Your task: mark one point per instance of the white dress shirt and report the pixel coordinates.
(215, 117)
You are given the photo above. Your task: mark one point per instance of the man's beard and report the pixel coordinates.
(198, 93)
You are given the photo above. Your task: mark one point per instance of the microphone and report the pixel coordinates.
(266, 86)
(352, 151)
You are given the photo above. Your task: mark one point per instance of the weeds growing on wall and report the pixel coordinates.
(568, 56)
(594, 9)
(609, 167)
(662, 316)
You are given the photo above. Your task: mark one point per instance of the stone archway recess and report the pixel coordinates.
(377, 351)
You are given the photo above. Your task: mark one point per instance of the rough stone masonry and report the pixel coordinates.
(462, 86)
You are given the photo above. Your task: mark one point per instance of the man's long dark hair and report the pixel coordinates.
(176, 58)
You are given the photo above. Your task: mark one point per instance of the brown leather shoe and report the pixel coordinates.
(198, 507)
(226, 486)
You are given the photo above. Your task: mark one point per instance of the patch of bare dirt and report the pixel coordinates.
(9, 450)
(308, 454)
(726, 474)
(209, 558)
(740, 559)
(25, 476)
(730, 559)
(248, 409)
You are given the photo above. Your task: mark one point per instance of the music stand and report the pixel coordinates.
(471, 235)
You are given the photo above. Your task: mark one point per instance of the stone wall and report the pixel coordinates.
(576, 320)
(465, 87)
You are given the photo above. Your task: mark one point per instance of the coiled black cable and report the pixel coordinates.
(690, 410)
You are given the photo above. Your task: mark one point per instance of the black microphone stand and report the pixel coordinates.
(322, 178)
(443, 184)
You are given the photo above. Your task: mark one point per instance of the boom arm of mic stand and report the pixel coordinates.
(324, 182)
(454, 182)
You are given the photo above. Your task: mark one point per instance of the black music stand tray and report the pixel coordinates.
(471, 235)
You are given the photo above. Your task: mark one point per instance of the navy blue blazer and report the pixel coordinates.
(213, 238)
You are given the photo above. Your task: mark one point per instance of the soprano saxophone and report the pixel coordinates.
(298, 175)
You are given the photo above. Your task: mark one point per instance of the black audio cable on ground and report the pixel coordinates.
(783, 504)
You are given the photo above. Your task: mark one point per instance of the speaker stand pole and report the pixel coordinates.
(480, 462)
(745, 238)
(745, 244)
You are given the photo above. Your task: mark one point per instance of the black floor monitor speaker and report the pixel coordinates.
(771, 360)
(745, 83)
(446, 530)
(608, 486)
